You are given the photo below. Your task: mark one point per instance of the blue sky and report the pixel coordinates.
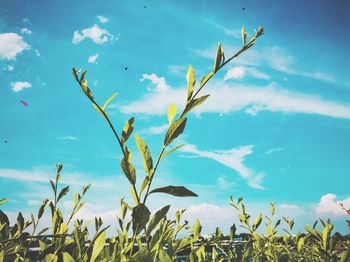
(275, 128)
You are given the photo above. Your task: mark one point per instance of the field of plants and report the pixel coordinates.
(155, 237)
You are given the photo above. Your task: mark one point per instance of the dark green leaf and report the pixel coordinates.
(63, 192)
(129, 170)
(140, 217)
(176, 128)
(179, 191)
(128, 128)
(157, 217)
(218, 58)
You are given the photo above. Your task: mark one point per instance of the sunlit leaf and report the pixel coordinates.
(179, 191)
(205, 79)
(67, 257)
(86, 89)
(127, 130)
(191, 81)
(244, 35)
(98, 246)
(145, 153)
(218, 58)
(171, 150)
(3, 201)
(109, 100)
(171, 112)
(194, 103)
(197, 228)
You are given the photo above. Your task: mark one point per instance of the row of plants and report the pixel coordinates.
(143, 236)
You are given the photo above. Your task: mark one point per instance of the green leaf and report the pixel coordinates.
(140, 216)
(257, 222)
(157, 217)
(129, 170)
(218, 59)
(205, 79)
(197, 228)
(301, 243)
(244, 35)
(176, 128)
(63, 192)
(3, 201)
(67, 257)
(98, 246)
(144, 184)
(145, 153)
(179, 191)
(191, 81)
(163, 256)
(344, 255)
(128, 128)
(109, 100)
(51, 258)
(325, 236)
(171, 112)
(273, 208)
(171, 150)
(194, 103)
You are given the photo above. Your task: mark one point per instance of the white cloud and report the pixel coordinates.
(11, 44)
(102, 19)
(92, 59)
(95, 33)
(233, 159)
(37, 52)
(70, 138)
(329, 206)
(19, 86)
(273, 150)
(26, 31)
(227, 98)
(224, 184)
(237, 72)
(289, 210)
(159, 84)
(154, 130)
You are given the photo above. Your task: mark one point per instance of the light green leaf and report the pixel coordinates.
(191, 81)
(171, 112)
(179, 191)
(301, 243)
(157, 217)
(194, 103)
(325, 236)
(171, 150)
(218, 59)
(145, 153)
(197, 228)
(67, 257)
(244, 35)
(163, 256)
(3, 201)
(109, 100)
(51, 258)
(144, 184)
(176, 128)
(86, 89)
(257, 222)
(344, 255)
(98, 246)
(205, 79)
(128, 128)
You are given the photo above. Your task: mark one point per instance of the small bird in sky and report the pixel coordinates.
(5, 141)
(144, 6)
(126, 68)
(243, 8)
(24, 103)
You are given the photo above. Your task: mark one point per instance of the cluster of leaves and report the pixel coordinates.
(142, 236)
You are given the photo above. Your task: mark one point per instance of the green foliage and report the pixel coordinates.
(142, 236)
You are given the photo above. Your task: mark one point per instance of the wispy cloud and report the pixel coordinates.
(239, 72)
(95, 33)
(74, 138)
(227, 98)
(11, 44)
(93, 59)
(37, 52)
(158, 83)
(177, 69)
(102, 19)
(274, 150)
(329, 206)
(19, 86)
(26, 31)
(154, 130)
(233, 159)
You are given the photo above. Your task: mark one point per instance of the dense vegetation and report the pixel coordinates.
(154, 237)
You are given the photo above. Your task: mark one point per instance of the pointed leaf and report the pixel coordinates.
(344, 255)
(128, 128)
(67, 257)
(157, 217)
(191, 81)
(205, 79)
(3, 201)
(301, 243)
(171, 150)
(179, 191)
(109, 100)
(176, 128)
(140, 217)
(218, 58)
(171, 112)
(86, 89)
(63, 192)
(98, 246)
(194, 103)
(197, 228)
(129, 170)
(145, 153)
(244, 35)
(164, 256)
